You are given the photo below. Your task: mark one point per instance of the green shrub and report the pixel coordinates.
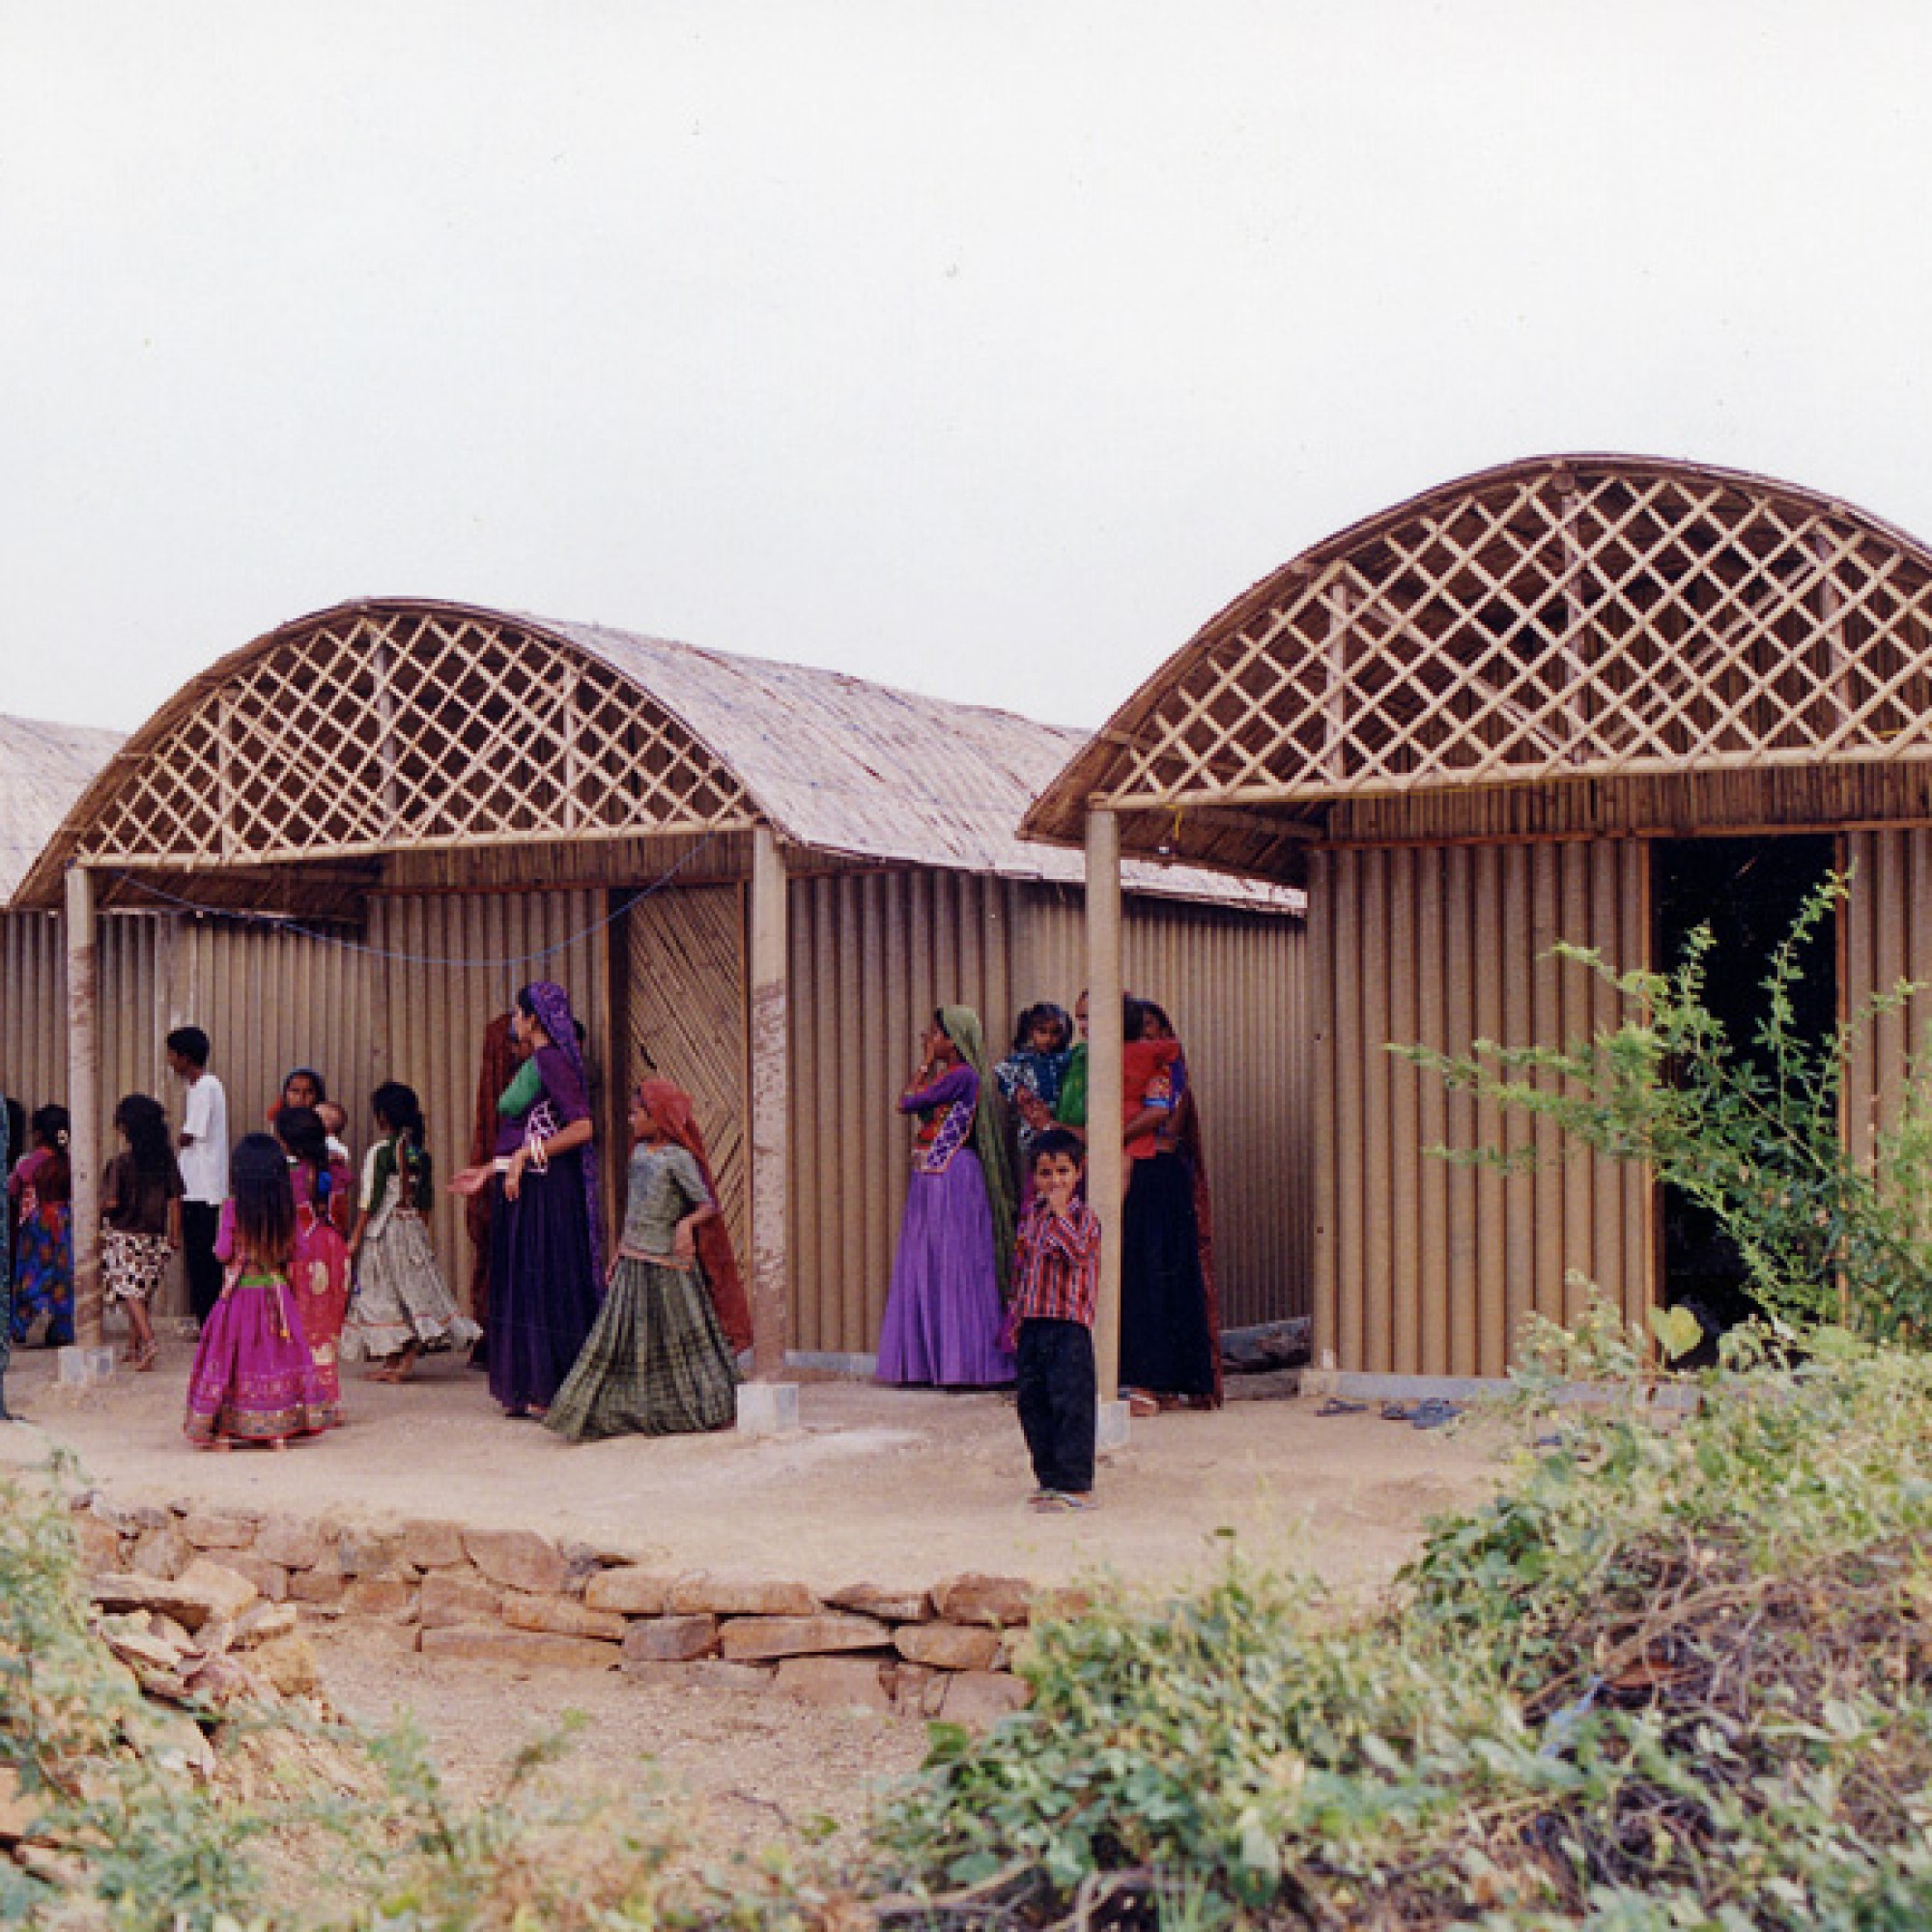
(1676, 1678)
(1753, 1131)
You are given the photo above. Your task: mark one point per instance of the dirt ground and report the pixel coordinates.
(886, 1486)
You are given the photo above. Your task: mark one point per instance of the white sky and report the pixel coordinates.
(987, 348)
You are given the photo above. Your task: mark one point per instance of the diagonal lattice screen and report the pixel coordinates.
(377, 728)
(1569, 620)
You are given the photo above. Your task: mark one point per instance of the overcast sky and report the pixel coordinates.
(984, 348)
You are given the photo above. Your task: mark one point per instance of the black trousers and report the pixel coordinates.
(201, 1221)
(1058, 1403)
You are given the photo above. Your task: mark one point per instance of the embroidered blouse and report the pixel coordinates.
(946, 1112)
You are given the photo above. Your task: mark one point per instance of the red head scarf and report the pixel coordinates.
(671, 1107)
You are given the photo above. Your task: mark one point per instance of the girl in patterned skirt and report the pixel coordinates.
(254, 1379)
(140, 1216)
(402, 1304)
(657, 1361)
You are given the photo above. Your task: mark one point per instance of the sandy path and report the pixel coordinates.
(881, 1485)
(886, 1486)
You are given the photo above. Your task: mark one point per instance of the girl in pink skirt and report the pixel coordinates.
(254, 1379)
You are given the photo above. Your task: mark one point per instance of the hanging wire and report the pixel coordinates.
(279, 922)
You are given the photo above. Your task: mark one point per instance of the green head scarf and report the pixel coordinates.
(961, 1026)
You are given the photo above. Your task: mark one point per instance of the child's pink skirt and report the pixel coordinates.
(254, 1378)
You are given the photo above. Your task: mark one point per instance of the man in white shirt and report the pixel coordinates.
(204, 1166)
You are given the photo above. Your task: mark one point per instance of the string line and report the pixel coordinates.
(278, 924)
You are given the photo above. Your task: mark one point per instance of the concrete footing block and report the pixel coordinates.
(767, 1409)
(1111, 1425)
(79, 1366)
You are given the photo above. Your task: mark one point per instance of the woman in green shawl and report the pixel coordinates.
(954, 1260)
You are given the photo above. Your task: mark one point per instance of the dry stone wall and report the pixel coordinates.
(511, 1596)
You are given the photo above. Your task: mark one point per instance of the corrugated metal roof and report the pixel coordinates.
(44, 768)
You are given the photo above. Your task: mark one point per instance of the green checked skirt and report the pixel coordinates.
(656, 1363)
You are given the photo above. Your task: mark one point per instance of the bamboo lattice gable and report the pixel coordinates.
(406, 744)
(1555, 622)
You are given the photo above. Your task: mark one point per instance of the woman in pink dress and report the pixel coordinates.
(324, 1197)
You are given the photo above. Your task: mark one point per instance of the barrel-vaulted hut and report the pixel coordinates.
(44, 768)
(357, 835)
(1598, 698)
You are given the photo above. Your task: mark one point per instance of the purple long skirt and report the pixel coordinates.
(254, 1379)
(943, 1315)
(543, 1287)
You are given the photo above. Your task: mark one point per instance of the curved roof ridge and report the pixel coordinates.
(832, 762)
(1513, 624)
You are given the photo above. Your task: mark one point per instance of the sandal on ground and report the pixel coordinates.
(1335, 1406)
(1433, 1413)
(1058, 1502)
(1398, 1411)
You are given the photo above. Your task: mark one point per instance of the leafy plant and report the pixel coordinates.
(1669, 1677)
(1752, 1131)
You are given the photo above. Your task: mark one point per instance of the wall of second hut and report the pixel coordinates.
(1421, 1266)
(1887, 939)
(873, 953)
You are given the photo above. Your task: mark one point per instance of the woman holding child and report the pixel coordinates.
(1169, 1346)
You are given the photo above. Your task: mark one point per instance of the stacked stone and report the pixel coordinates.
(512, 1596)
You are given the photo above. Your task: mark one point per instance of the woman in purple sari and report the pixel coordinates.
(944, 1312)
(545, 1238)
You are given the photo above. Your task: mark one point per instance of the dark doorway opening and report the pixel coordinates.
(1749, 892)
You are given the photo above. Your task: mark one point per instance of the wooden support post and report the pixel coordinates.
(83, 1081)
(770, 1111)
(1105, 1158)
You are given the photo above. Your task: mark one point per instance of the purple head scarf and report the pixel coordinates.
(552, 1009)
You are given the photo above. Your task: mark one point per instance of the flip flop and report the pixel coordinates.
(1051, 1502)
(1335, 1406)
(1398, 1411)
(1433, 1413)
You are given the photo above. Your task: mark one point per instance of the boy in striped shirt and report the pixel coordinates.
(1056, 1276)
